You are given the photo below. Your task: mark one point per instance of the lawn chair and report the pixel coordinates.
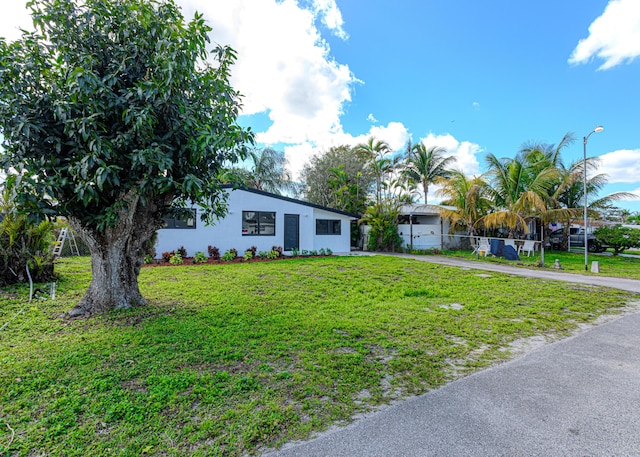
(529, 246)
(510, 242)
(484, 247)
(475, 244)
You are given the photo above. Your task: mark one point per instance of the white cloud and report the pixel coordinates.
(395, 134)
(465, 152)
(621, 166)
(331, 17)
(476, 106)
(613, 37)
(284, 67)
(372, 118)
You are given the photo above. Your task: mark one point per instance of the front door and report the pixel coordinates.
(291, 231)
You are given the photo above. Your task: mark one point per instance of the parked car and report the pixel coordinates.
(576, 239)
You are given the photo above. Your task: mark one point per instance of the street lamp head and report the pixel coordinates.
(598, 129)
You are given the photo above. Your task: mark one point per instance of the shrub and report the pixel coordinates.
(182, 251)
(278, 249)
(23, 243)
(253, 250)
(214, 252)
(322, 252)
(273, 254)
(304, 253)
(382, 218)
(228, 256)
(199, 257)
(148, 259)
(295, 252)
(618, 238)
(248, 254)
(176, 259)
(328, 251)
(234, 251)
(262, 254)
(166, 256)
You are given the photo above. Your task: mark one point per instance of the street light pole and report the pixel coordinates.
(598, 129)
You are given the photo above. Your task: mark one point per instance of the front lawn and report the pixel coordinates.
(232, 359)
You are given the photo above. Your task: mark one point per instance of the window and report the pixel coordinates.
(258, 223)
(180, 218)
(327, 227)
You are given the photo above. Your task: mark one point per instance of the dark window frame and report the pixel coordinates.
(258, 218)
(178, 219)
(328, 227)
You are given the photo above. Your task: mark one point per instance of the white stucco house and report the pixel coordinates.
(261, 219)
(421, 227)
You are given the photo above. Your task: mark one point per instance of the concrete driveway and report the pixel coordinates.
(576, 397)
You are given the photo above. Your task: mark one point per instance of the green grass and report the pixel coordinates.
(571, 262)
(232, 359)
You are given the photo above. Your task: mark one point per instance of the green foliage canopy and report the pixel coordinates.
(109, 99)
(112, 114)
(618, 238)
(325, 176)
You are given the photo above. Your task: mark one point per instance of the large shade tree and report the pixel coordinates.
(111, 115)
(325, 174)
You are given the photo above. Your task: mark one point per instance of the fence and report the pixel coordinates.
(459, 241)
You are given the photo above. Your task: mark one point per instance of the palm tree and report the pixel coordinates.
(375, 151)
(542, 155)
(426, 166)
(570, 193)
(468, 196)
(268, 171)
(519, 188)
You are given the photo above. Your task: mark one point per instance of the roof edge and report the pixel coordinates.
(289, 199)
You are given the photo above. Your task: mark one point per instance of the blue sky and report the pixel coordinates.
(472, 76)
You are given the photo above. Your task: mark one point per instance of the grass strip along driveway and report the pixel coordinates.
(232, 359)
(571, 262)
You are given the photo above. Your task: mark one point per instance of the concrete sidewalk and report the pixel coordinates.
(576, 397)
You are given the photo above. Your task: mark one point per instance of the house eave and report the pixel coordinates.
(291, 200)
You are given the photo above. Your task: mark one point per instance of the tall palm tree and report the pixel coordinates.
(426, 166)
(375, 151)
(542, 155)
(468, 196)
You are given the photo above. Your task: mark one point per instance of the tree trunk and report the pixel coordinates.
(117, 254)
